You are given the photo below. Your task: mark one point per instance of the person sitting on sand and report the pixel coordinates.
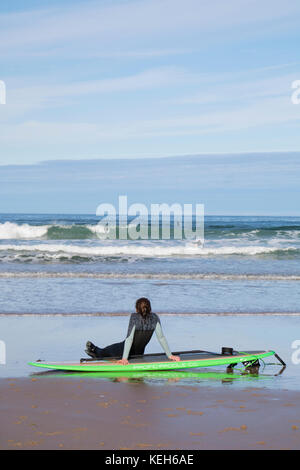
(142, 324)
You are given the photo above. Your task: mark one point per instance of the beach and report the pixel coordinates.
(84, 413)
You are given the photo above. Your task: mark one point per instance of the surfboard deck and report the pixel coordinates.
(158, 362)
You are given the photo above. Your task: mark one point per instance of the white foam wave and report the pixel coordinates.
(9, 230)
(12, 231)
(150, 250)
(98, 229)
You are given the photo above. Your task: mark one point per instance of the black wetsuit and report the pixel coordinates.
(140, 331)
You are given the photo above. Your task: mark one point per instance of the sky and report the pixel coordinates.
(115, 80)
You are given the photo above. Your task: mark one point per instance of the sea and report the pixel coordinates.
(62, 264)
(64, 281)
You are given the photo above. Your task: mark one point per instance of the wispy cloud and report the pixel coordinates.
(23, 99)
(146, 76)
(241, 89)
(114, 21)
(268, 111)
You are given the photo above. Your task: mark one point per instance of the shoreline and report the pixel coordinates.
(47, 412)
(55, 338)
(124, 314)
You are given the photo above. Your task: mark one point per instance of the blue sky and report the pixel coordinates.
(143, 79)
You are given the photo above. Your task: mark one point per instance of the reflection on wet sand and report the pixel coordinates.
(157, 377)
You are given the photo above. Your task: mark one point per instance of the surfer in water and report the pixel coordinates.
(142, 325)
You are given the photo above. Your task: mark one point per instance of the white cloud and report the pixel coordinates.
(110, 22)
(268, 111)
(236, 88)
(186, 101)
(25, 99)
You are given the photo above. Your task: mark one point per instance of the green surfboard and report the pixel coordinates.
(158, 362)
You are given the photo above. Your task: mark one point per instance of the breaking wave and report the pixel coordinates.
(90, 231)
(13, 231)
(65, 252)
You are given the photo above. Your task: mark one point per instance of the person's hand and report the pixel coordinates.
(174, 358)
(124, 362)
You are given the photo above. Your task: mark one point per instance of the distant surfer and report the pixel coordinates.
(142, 325)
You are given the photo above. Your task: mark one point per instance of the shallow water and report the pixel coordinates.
(61, 338)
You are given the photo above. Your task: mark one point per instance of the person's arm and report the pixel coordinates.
(163, 342)
(127, 347)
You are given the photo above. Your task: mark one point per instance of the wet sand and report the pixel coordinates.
(47, 412)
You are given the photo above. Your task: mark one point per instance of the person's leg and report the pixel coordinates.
(113, 350)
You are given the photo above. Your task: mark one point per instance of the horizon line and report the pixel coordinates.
(235, 153)
(117, 215)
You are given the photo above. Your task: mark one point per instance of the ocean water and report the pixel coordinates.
(63, 338)
(62, 284)
(60, 264)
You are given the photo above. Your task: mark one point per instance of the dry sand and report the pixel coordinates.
(84, 413)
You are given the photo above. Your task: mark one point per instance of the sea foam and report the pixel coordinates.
(150, 250)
